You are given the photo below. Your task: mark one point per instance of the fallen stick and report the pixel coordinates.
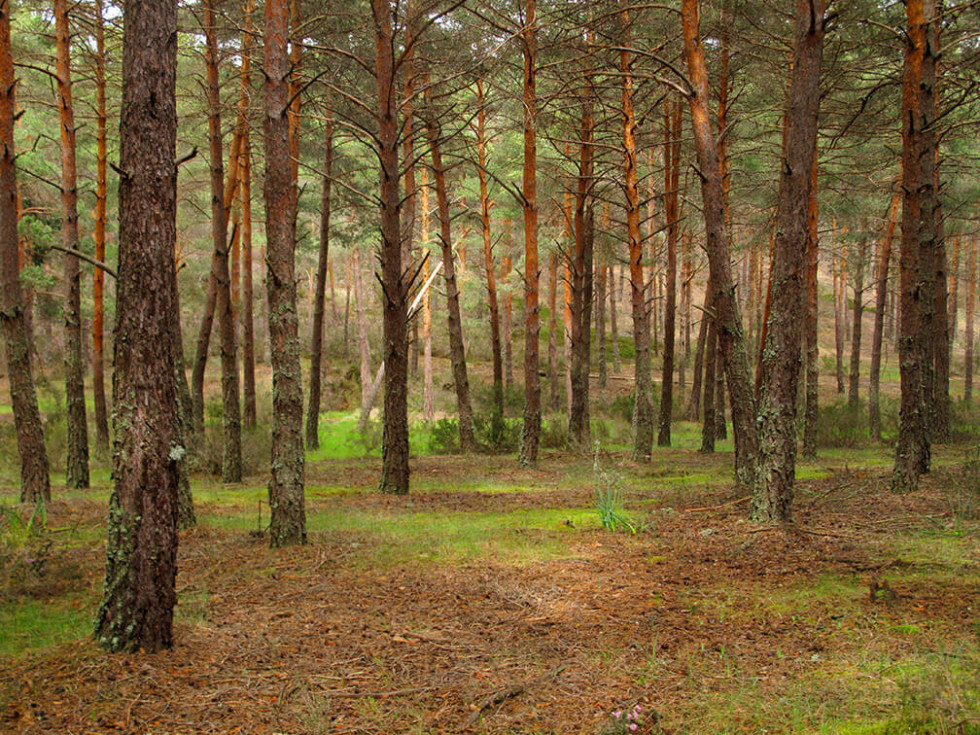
(502, 695)
(718, 507)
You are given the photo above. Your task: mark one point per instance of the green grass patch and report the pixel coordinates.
(33, 626)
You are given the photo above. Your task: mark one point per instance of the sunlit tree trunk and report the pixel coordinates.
(139, 594)
(76, 460)
(287, 501)
(731, 339)
(428, 406)
(643, 403)
(917, 261)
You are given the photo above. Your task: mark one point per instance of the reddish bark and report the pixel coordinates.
(76, 460)
(98, 276)
(35, 485)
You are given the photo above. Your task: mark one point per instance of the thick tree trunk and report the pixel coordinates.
(98, 276)
(481, 142)
(531, 431)
(917, 261)
(76, 460)
(287, 501)
(731, 339)
(721, 425)
(316, 348)
(672, 149)
(139, 594)
(854, 379)
(457, 349)
(773, 492)
(231, 466)
(643, 396)
(812, 410)
(582, 281)
(35, 484)
(394, 472)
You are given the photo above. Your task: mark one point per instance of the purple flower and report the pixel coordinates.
(617, 714)
(633, 727)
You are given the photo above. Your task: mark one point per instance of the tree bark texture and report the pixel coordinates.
(531, 431)
(643, 395)
(247, 316)
(231, 465)
(287, 501)
(98, 276)
(773, 492)
(854, 377)
(141, 556)
(812, 404)
(917, 261)
(394, 471)
(76, 460)
(672, 150)
(35, 484)
(731, 339)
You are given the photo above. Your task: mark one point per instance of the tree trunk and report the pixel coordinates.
(531, 431)
(457, 350)
(553, 330)
(139, 594)
(881, 290)
(394, 473)
(247, 320)
(76, 461)
(35, 485)
(941, 423)
(854, 379)
(582, 280)
(672, 149)
(693, 411)
(600, 328)
(840, 327)
(812, 410)
(917, 261)
(481, 142)
(287, 501)
(731, 339)
(316, 348)
(971, 290)
(364, 345)
(643, 396)
(98, 276)
(954, 289)
(231, 466)
(428, 406)
(614, 319)
(708, 430)
(773, 492)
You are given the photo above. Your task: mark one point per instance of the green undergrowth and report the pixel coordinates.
(33, 625)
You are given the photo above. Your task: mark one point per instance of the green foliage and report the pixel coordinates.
(554, 433)
(965, 420)
(443, 436)
(609, 498)
(841, 426)
(496, 434)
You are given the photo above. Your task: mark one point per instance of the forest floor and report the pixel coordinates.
(491, 600)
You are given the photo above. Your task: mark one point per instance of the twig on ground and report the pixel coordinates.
(502, 695)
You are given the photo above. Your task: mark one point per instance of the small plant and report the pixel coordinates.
(496, 434)
(444, 436)
(625, 722)
(609, 498)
